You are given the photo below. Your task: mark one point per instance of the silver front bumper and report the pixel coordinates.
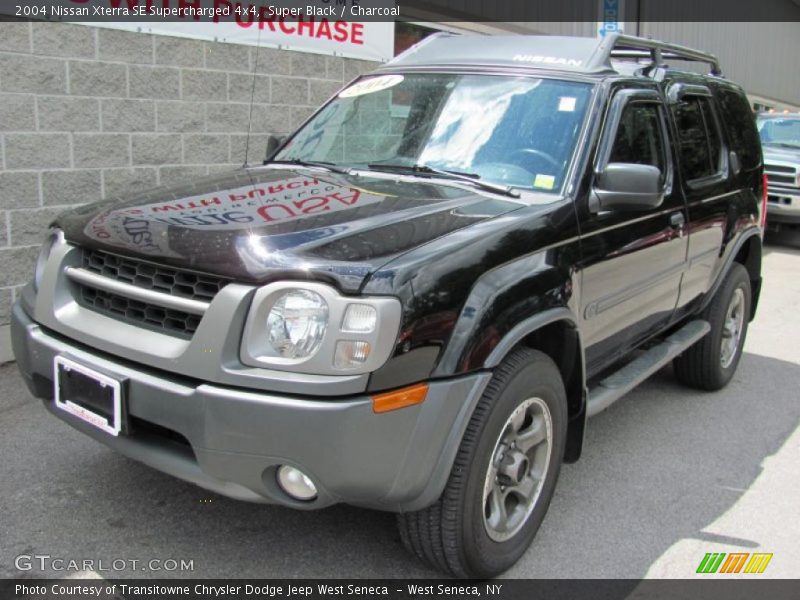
(237, 437)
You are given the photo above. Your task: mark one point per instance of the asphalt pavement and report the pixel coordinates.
(668, 474)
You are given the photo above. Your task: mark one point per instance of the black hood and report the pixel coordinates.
(259, 224)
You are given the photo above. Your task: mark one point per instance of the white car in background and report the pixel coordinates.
(780, 139)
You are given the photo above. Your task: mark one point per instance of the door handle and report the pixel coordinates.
(677, 219)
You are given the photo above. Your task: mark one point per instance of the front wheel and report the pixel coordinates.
(503, 477)
(711, 362)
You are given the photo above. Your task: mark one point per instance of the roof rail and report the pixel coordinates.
(616, 45)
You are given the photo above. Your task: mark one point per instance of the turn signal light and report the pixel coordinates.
(401, 398)
(764, 201)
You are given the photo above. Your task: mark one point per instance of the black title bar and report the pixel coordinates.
(248, 12)
(393, 589)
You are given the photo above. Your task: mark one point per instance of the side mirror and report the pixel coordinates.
(627, 186)
(274, 143)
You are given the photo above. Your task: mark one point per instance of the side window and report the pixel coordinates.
(699, 142)
(639, 138)
(741, 127)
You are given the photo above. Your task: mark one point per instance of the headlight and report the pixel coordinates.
(297, 323)
(311, 328)
(54, 236)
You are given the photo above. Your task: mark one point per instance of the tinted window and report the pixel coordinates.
(699, 144)
(639, 138)
(714, 139)
(740, 125)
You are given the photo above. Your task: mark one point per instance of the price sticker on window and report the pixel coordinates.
(370, 86)
(566, 104)
(546, 182)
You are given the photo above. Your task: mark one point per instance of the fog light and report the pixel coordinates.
(296, 483)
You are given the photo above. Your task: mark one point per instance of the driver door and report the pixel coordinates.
(633, 259)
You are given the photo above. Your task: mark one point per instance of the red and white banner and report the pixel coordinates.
(363, 40)
(333, 27)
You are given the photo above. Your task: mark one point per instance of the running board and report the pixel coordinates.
(616, 385)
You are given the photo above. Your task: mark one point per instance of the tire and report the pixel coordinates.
(707, 365)
(457, 534)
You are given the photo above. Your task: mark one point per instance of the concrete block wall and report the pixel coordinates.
(88, 113)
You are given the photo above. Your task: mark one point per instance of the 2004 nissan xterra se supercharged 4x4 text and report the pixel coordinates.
(420, 297)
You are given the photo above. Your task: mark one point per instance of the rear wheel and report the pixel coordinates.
(503, 477)
(711, 362)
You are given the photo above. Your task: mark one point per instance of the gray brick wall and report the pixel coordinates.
(87, 113)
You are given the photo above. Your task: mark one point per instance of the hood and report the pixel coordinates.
(260, 224)
(780, 153)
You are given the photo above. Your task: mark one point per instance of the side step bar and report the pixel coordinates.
(616, 385)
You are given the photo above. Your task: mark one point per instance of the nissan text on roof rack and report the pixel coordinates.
(418, 299)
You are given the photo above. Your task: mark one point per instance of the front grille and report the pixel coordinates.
(781, 175)
(136, 312)
(780, 169)
(781, 179)
(175, 282)
(150, 276)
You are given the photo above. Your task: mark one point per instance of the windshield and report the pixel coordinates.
(781, 131)
(514, 131)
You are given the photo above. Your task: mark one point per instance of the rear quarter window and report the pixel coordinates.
(699, 144)
(739, 123)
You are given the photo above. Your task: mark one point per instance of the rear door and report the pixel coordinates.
(713, 176)
(633, 260)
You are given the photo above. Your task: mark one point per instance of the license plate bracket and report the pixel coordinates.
(94, 397)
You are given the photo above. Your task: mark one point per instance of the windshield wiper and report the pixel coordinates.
(472, 178)
(313, 163)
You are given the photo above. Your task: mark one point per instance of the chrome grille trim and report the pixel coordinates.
(782, 176)
(84, 277)
(780, 168)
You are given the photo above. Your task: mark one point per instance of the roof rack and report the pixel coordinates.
(574, 54)
(617, 45)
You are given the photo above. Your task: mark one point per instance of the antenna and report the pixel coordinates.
(252, 99)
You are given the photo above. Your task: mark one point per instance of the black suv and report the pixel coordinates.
(420, 297)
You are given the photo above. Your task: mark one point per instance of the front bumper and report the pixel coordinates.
(783, 207)
(238, 437)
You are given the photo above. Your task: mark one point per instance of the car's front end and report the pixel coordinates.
(274, 334)
(237, 360)
(294, 447)
(780, 137)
